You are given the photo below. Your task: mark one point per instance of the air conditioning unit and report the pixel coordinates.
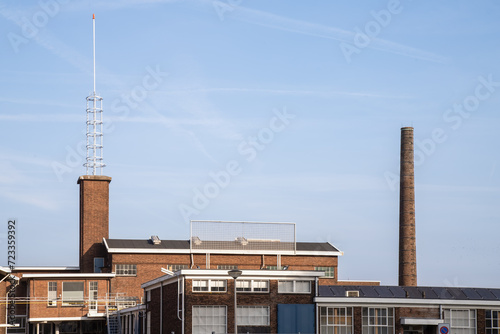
(52, 303)
(352, 293)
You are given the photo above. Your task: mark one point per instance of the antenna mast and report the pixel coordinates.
(94, 163)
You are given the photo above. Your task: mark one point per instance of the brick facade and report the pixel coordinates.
(171, 323)
(94, 219)
(149, 266)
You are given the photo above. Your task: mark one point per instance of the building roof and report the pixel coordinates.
(183, 246)
(245, 274)
(411, 292)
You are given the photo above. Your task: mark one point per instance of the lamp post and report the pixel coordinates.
(235, 273)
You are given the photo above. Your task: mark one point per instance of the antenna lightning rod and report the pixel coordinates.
(94, 163)
(93, 42)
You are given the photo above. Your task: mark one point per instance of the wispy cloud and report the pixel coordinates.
(314, 93)
(434, 188)
(41, 201)
(306, 28)
(278, 22)
(48, 41)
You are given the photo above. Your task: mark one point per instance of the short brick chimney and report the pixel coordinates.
(407, 240)
(94, 221)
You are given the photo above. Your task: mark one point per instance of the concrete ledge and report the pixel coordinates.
(93, 178)
(421, 321)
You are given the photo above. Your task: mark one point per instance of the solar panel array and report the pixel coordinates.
(410, 292)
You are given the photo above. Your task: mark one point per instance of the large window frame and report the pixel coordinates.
(73, 293)
(378, 320)
(462, 321)
(126, 269)
(176, 267)
(252, 286)
(336, 320)
(294, 286)
(208, 319)
(227, 267)
(209, 285)
(492, 321)
(52, 294)
(329, 271)
(253, 315)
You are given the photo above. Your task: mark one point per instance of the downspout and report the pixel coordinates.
(183, 311)
(316, 289)
(192, 261)
(161, 308)
(178, 293)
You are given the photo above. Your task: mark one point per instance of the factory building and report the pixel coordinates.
(87, 298)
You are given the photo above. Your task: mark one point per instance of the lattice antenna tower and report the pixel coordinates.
(94, 163)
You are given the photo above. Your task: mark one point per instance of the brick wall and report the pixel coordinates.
(94, 219)
(153, 306)
(271, 299)
(40, 309)
(149, 266)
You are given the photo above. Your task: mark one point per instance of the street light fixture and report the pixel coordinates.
(235, 273)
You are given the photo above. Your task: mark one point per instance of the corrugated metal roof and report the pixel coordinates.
(412, 292)
(184, 244)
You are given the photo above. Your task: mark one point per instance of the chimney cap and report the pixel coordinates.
(93, 178)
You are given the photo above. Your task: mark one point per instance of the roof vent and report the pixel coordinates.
(155, 240)
(196, 241)
(242, 241)
(352, 293)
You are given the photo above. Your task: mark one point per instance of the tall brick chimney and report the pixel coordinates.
(407, 241)
(94, 221)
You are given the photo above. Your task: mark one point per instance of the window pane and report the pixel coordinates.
(208, 319)
(72, 293)
(302, 286)
(285, 286)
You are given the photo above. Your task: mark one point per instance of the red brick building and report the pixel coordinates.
(204, 301)
(111, 271)
(407, 310)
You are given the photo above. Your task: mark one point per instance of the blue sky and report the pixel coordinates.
(297, 108)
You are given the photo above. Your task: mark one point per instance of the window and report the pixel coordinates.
(329, 271)
(274, 268)
(207, 285)
(252, 286)
(126, 270)
(93, 290)
(98, 264)
(294, 287)
(253, 316)
(227, 267)
(336, 320)
(492, 325)
(461, 321)
(378, 320)
(52, 295)
(69, 327)
(208, 319)
(175, 267)
(21, 320)
(72, 293)
(93, 293)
